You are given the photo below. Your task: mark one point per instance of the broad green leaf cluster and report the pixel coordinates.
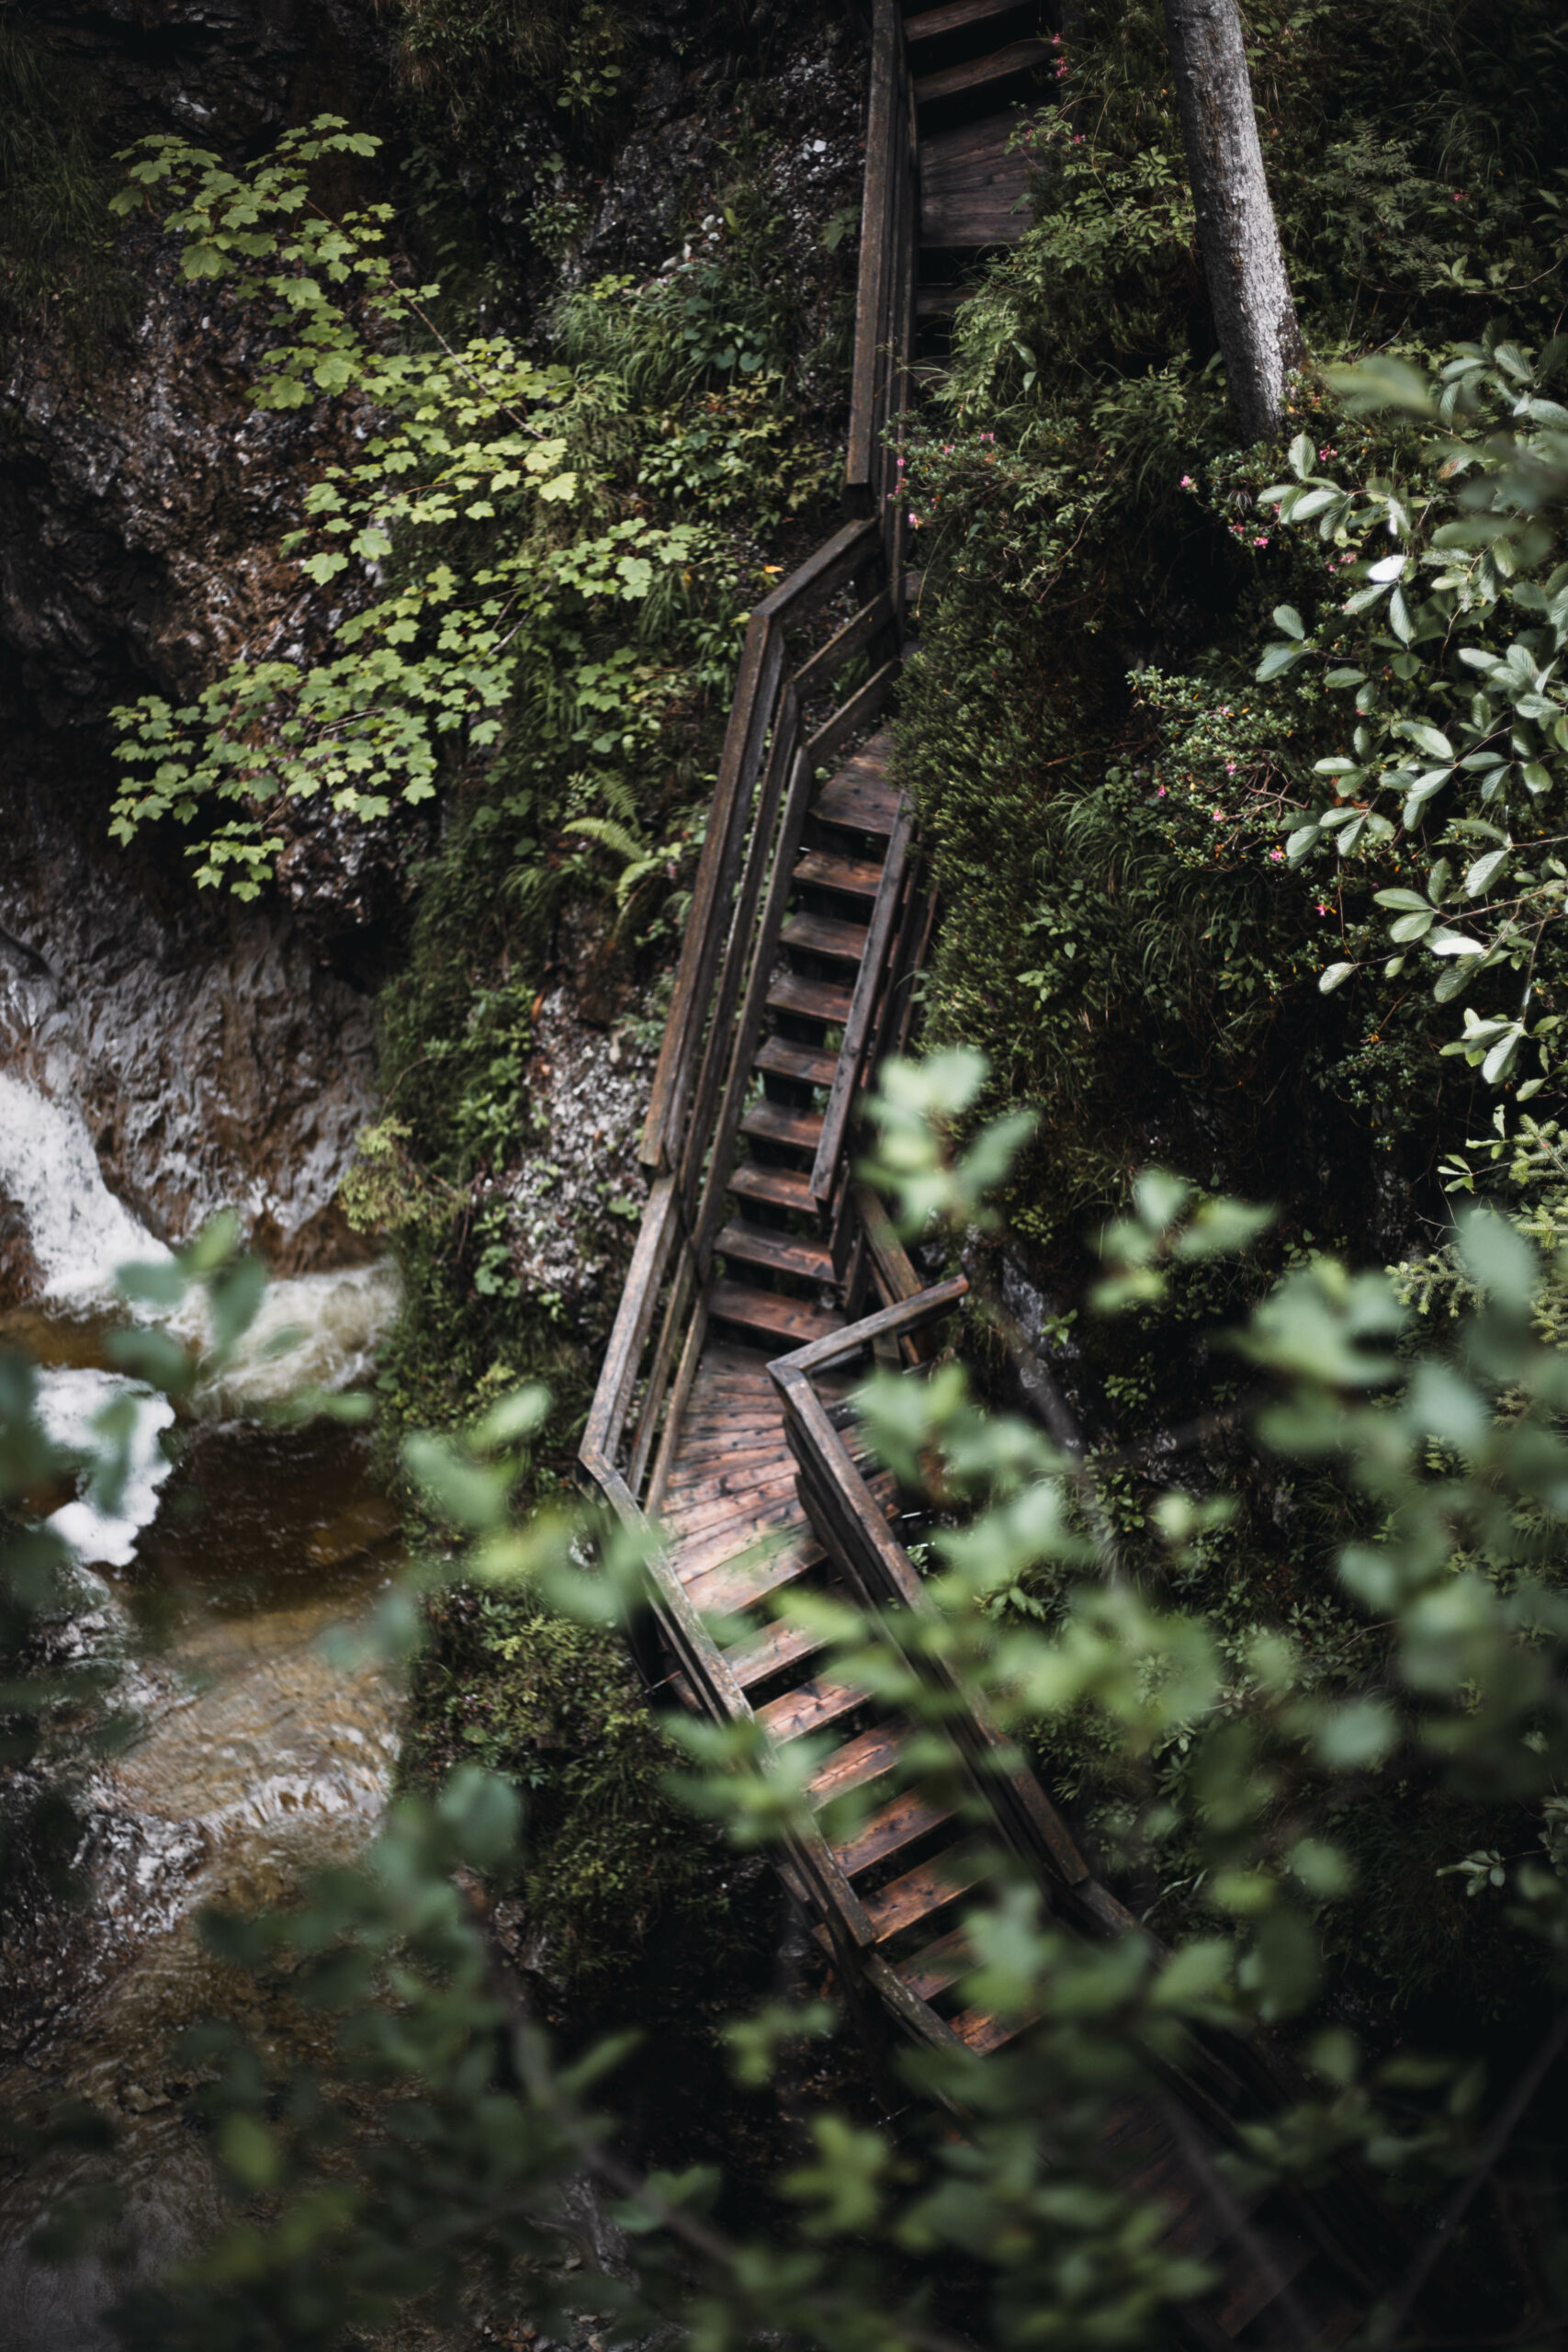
(495, 543)
(1451, 641)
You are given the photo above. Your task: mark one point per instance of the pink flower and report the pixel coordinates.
(1230, 768)
(1161, 793)
(1261, 542)
(1219, 816)
(1321, 908)
(1276, 857)
(1187, 482)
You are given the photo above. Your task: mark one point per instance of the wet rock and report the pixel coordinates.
(218, 1059)
(573, 1203)
(20, 1277)
(219, 70)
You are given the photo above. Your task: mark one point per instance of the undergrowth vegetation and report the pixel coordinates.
(1241, 768)
(1105, 779)
(58, 262)
(536, 567)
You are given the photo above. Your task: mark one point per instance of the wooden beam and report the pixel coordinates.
(863, 1005)
(892, 1321)
(870, 297)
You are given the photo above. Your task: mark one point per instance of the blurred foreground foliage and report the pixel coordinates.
(456, 2180)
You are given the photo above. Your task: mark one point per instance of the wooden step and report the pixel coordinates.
(857, 878)
(956, 16)
(859, 798)
(785, 1253)
(984, 2031)
(939, 301)
(929, 1887)
(808, 1064)
(809, 1708)
(825, 935)
(861, 1760)
(746, 1532)
(727, 1586)
(712, 1474)
(901, 1823)
(973, 190)
(773, 1316)
(981, 74)
(821, 1001)
(768, 1654)
(719, 1503)
(782, 1188)
(781, 1123)
(933, 1969)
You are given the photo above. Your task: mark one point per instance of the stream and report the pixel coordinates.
(236, 1546)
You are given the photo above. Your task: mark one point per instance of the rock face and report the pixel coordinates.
(218, 1061)
(223, 1056)
(573, 1202)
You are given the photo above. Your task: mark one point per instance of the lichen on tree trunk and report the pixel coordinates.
(1254, 316)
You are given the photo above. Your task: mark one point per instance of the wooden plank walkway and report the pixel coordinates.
(759, 1250)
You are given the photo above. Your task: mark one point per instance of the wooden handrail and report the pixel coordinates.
(764, 783)
(756, 686)
(848, 1521)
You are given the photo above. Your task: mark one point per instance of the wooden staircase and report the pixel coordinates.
(779, 1282)
(762, 1275)
(977, 66)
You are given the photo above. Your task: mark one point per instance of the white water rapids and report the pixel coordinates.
(313, 1331)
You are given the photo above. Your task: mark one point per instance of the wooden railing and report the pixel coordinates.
(852, 1528)
(766, 774)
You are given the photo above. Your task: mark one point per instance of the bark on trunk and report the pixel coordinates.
(1254, 315)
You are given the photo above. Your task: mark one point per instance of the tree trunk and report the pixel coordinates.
(1254, 315)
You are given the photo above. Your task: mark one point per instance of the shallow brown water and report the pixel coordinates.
(258, 1757)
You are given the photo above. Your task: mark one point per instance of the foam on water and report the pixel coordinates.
(102, 1528)
(79, 1232)
(314, 1331)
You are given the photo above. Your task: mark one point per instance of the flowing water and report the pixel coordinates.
(234, 1548)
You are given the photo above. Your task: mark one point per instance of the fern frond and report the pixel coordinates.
(610, 835)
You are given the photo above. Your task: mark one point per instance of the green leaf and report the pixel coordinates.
(1381, 382)
(1334, 977)
(1287, 618)
(1444, 941)
(1427, 738)
(1497, 1258)
(1479, 876)
(1359, 1733)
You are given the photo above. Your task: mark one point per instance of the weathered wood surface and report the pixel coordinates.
(974, 192)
